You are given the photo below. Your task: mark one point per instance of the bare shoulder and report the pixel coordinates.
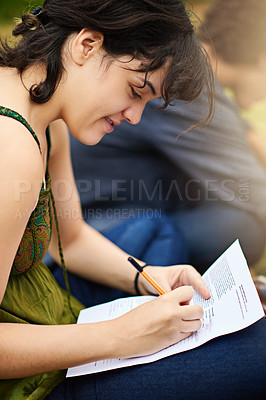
(20, 160)
(21, 174)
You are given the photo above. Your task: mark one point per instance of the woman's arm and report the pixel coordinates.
(87, 253)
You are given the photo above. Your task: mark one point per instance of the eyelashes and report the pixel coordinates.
(135, 94)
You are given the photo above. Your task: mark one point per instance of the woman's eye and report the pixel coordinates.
(135, 94)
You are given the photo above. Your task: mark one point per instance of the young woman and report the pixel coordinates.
(87, 65)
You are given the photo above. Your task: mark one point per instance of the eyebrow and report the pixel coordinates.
(145, 81)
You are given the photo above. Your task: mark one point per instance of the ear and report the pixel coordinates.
(85, 44)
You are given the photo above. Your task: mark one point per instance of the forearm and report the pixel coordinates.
(95, 258)
(28, 350)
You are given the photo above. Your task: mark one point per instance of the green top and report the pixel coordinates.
(32, 295)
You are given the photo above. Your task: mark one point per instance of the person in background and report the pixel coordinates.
(207, 181)
(238, 53)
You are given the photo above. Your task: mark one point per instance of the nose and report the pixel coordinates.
(133, 114)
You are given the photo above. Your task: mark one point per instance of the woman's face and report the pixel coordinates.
(104, 93)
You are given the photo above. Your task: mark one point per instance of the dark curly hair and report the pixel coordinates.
(236, 29)
(157, 30)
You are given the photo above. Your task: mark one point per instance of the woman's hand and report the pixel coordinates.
(156, 324)
(172, 277)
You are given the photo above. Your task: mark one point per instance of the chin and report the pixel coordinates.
(90, 140)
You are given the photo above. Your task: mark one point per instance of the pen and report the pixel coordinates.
(146, 276)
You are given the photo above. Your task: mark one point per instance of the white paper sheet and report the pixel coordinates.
(234, 305)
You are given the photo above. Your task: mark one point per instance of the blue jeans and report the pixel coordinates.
(156, 241)
(230, 367)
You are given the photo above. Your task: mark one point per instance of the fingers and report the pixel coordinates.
(188, 315)
(191, 326)
(192, 277)
(192, 312)
(191, 318)
(184, 294)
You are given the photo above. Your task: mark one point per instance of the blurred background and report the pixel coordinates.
(15, 8)
(12, 8)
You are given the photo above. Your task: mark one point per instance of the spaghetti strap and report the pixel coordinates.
(13, 114)
(48, 139)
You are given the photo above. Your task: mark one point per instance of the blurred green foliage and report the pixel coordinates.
(15, 8)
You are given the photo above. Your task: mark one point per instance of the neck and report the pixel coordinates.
(15, 95)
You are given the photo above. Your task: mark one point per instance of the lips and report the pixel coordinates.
(113, 122)
(110, 121)
(109, 125)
